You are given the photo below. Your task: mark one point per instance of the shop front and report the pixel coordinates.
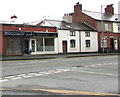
(44, 43)
(16, 42)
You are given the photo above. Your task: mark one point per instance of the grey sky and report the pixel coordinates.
(32, 10)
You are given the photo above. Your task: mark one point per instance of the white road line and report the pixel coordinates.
(16, 78)
(4, 80)
(38, 74)
(26, 76)
(86, 66)
(9, 77)
(98, 73)
(57, 71)
(32, 73)
(66, 70)
(47, 73)
(21, 75)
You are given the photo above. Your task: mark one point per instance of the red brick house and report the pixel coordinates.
(19, 39)
(108, 34)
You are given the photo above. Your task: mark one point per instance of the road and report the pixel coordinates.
(79, 75)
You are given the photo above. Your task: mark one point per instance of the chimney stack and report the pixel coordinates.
(109, 10)
(77, 7)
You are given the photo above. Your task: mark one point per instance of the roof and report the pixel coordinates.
(97, 16)
(68, 26)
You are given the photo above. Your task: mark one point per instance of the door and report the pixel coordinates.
(33, 45)
(112, 43)
(26, 46)
(64, 43)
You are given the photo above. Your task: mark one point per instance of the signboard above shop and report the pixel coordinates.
(30, 34)
(17, 33)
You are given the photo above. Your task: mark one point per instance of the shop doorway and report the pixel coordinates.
(64, 43)
(26, 47)
(33, 45)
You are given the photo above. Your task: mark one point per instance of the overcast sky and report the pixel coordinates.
(33, 10)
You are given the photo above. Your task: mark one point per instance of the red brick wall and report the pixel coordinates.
(114, 35)
(81, 17)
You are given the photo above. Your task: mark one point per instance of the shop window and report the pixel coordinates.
(72, 43)
(87, 43)
(13, 46)
(49, 44)
(39, 43)
(45, 44)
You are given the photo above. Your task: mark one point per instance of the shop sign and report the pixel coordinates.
(17, 33)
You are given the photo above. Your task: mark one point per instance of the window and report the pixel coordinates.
(49, 44)
(87, 34)
(72, 43)
(87, 43)
(72, 33)
(107, 27)
(45, 44)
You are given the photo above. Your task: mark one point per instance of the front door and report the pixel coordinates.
(64, 43)
(33, 45)
(112, 43)
(26, 45)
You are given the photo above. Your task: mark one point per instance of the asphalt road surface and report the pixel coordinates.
(62, 76)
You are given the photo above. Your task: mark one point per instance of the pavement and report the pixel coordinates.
(53, 56)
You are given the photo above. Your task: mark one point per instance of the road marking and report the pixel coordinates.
(27, 76)
(39, 74)
(99, 64)
(4, 80)
(73, 92)
(92, 65)
(9, 77)
(21, 75)
(16, 78)
(97, 73)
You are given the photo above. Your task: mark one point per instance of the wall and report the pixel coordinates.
(94, 42)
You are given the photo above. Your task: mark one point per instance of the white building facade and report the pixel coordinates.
(74, 37)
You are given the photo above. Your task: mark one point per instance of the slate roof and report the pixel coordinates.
(97, 16)
(69, 26)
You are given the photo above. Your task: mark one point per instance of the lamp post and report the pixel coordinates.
(102, 38)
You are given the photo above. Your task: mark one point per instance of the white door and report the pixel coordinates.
(33, 45)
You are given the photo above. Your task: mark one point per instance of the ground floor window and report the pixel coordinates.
(45, 44)
(72, 43)
(13, 46)
(87, 43)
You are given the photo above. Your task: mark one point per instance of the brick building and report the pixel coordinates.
(108, 31)
(19, 39)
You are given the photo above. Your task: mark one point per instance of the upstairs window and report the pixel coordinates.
(72, 33)
(107, 27)
(87, 34)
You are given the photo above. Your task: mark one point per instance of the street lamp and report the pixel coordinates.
(102, 38)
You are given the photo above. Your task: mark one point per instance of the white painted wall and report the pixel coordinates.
(64, 35)
(94, 42)
(115, 27)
